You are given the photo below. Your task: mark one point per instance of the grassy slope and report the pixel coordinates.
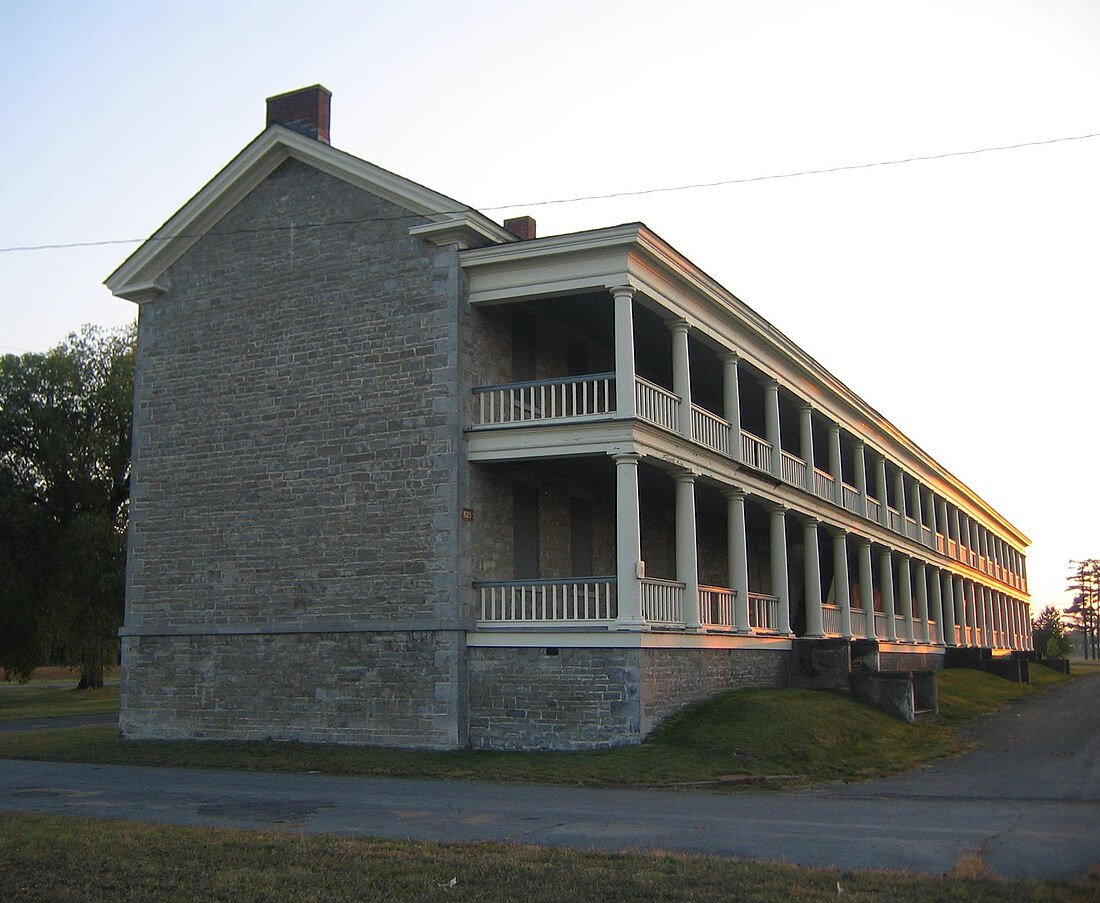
(39, 702)
(784, 737)
(779, 738)
(55, 858)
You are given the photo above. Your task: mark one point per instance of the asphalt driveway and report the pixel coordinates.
(1026, 800)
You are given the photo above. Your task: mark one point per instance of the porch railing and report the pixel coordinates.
(763, 611)
(710, 430)
(755, 452)
(792, 469)
(830, 619)
(912, 530)
(823, 485)
(716, 606)
(546, 399)
(851, 498)
(880, 625)
(662, 601)
(858, 620)
(657, 404)
(893, 519)
(564, 599)
(874, 510)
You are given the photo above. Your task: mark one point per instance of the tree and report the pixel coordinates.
(1084, 612)
(65, 426)
(1050, 633)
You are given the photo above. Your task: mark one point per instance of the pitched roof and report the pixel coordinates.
(142, 276)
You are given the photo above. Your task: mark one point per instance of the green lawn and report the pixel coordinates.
(59, 858)
(32, 701)
(747, 738)
(742, 738)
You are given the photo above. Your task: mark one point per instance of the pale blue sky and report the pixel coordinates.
(959, 296)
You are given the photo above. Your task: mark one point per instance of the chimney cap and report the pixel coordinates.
(305, 110)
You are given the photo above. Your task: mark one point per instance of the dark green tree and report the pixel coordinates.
(1084, 612)
(1050, 633)
(65, 419)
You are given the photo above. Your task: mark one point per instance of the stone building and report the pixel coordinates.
(404, 476)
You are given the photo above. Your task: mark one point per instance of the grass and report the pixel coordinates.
(59, 858)
(964, 693)
(742, 738)
(36, 702)
(735, 740)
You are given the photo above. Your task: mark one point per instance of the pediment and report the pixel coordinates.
(142, 276)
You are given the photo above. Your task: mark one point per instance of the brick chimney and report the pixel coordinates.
(522, 227)
(305, 110)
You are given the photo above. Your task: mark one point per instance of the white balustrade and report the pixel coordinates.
(792, 469)
(755, 452)
(710, 430)
(893, 519)
(716, 606)
(657, 404)
(874, 509)
(851, 497)
(547, 399)
(912, 530)
(926, 536)
(858, 620)
(567, 599)
(880, 625)
(830, 619)
(662, 601)
(823, 485)
(763, 611)
(928, 634)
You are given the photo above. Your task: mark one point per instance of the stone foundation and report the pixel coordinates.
(393, 689)
(566, 698)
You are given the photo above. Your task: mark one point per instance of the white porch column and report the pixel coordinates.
(983, 548)
(1026, 608)
(624, 351)
(936, 586)
(983, 621)
(921, 576)
(681, 373)
(771, 425)
(835, 467)
(974, 542)
(806, 443)
(866, 587)
(886, 578)
(932, 518)
(861, 475)
(960, 609)
(955, 529)
(971, 608)
(948, 619)
(731, 402)
(998, 624)
(811, 555)
(905, 596)
(780, 584)
(941, 520)
(841, 581)
(628, 542)
(918, 510)
(880, 490)
(687, 555)
(738, 558)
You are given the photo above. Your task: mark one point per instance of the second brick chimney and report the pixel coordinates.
(305, 110)
(521, 227)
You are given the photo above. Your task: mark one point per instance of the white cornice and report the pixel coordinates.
(243, 173)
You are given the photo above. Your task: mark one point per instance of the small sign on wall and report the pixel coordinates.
(467, 514)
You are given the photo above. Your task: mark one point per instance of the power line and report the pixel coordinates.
(573, 200)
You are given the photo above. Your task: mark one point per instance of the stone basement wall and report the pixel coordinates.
(367, 688)
(911, 661)
(674, 678)
(523, 698)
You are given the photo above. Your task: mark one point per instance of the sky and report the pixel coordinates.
(958, 296)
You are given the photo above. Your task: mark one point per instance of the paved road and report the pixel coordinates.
(1025, 800)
